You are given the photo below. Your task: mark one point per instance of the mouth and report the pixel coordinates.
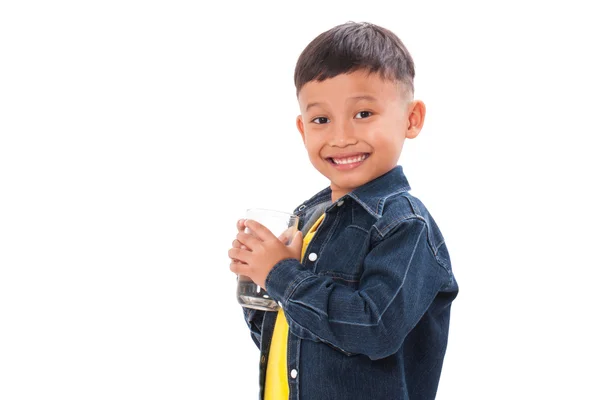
(348, 161)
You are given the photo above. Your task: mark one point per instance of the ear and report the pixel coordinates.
(300, 126)
(416, 118)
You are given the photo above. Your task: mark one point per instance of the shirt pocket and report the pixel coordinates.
(343, 255)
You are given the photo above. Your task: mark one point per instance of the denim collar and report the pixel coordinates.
(371, 196)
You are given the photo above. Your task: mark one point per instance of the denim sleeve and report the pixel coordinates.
(254, 319)
(401, 278)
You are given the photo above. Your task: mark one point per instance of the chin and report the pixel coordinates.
(350, 184)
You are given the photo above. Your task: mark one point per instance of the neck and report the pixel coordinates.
(337, 193)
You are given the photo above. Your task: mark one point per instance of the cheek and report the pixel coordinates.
(313, 148)
(388, 141)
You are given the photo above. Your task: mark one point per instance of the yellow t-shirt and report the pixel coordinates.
(276, 383)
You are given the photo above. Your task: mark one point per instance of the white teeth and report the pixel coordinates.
(349, 160)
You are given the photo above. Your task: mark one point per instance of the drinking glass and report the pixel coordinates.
(284, 226)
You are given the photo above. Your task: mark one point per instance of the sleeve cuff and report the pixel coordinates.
(283, 278)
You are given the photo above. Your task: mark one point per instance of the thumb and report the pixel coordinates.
(297, 242)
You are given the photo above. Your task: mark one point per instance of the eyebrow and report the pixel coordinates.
(363, 97)
(309, 105)
(356, 98)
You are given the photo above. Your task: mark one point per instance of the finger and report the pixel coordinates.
(260, 230)
(240, 225)
(238, 268)
(296, 243)
(237, 245)
(239, 254)
(248, 240)
(287, 235)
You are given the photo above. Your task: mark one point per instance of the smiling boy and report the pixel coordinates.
(365, 315)
(352, 148)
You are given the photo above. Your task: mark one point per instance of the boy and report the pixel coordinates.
(365, 315)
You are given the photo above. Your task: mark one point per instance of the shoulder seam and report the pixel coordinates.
(397, 221)
(383, 200)
(413, 205)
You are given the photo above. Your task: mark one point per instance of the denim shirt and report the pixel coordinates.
(369, 306)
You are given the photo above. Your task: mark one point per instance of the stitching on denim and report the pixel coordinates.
(381, 202)
(317, 311)
(379, 206)
(307, 330)
(398, 221)
(437, 248)
(430, 241)
(442, 263)
(414, 206)
(366, 207)
(337, 321)
(380, 315)
(326, 240)
(338, 276)
(322, 339)
(293, 285)
(358, 227)
(311, 244)
(290, 285)
(405, 273)
(295, 384)
(352, 225)
(379, 233)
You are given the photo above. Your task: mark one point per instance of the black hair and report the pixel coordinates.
(351, 47)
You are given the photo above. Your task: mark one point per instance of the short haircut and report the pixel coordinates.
(351, 47)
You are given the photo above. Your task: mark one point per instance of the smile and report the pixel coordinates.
(348, 161)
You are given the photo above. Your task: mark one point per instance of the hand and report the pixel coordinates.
(254, 255)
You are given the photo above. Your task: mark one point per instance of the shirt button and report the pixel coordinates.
(312, 256)
(293, 374)
(340, 203)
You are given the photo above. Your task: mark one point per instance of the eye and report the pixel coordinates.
(363, 114)
(320, 120)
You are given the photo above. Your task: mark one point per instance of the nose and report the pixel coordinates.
(342, 135)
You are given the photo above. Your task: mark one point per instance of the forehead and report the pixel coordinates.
(343, 87)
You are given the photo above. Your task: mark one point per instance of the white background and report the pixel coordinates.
(134, 134)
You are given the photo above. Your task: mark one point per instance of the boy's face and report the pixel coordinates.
(354, 126)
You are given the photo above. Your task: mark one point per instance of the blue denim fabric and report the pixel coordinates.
(369, 316)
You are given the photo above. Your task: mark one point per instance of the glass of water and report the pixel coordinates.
(284, 226)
